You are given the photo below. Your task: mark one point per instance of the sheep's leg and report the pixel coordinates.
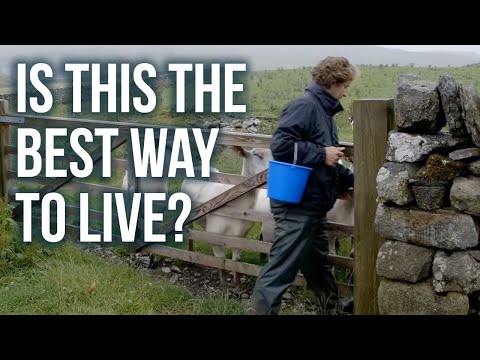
(332, 249)
(222, 275)
(236, 257)
(219, 251)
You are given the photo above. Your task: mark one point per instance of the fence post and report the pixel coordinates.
(132, 186)
(374, 118)
(4, 135)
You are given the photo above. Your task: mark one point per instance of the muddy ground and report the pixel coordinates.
(205, 282)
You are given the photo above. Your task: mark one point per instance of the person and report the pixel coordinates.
(301, 240)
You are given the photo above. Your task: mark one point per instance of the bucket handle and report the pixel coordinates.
(295, 153)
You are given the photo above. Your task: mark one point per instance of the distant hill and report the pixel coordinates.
(274, 56)
(297, 56)
(259, 57)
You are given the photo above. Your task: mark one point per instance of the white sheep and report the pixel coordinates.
(254, 162)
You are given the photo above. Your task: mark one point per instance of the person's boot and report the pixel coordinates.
(251, 311)
(258, 308)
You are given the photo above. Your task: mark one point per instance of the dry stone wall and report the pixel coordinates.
(429, 201)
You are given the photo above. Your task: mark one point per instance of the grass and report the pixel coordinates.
(70, 281)
(65, 280)
(341, 274)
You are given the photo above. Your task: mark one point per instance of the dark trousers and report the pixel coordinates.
(301, 243)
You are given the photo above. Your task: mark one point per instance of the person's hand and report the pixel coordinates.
(333, 154)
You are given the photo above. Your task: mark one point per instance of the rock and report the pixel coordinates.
(471, 112)
(443, 229)
(176, 269)
(464, 154)
(451, 104)
(174, 278)
(417, 106)
(166, 270)
(392, 183)
(403, 147)
(474, 167)
(465, 194)
(399, 298)
(404, 262)
(458, 271)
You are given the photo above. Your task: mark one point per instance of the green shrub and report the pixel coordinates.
(8, 231)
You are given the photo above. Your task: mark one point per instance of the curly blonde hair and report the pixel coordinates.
(334, 70)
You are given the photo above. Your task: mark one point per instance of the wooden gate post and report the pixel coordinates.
(374, 118)
(4, 131)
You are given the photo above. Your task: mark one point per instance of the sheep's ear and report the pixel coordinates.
(242, 151)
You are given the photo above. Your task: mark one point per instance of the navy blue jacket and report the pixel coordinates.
(308, 121)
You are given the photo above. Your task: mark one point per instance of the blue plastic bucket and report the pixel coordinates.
(286, 182)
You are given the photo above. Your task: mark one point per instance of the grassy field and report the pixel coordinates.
(66, 280)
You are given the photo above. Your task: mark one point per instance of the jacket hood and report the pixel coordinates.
(331, 104)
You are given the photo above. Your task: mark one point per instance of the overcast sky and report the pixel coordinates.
(259, 56)
(469, 48)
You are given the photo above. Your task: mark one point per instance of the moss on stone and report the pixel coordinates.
(440, 168)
